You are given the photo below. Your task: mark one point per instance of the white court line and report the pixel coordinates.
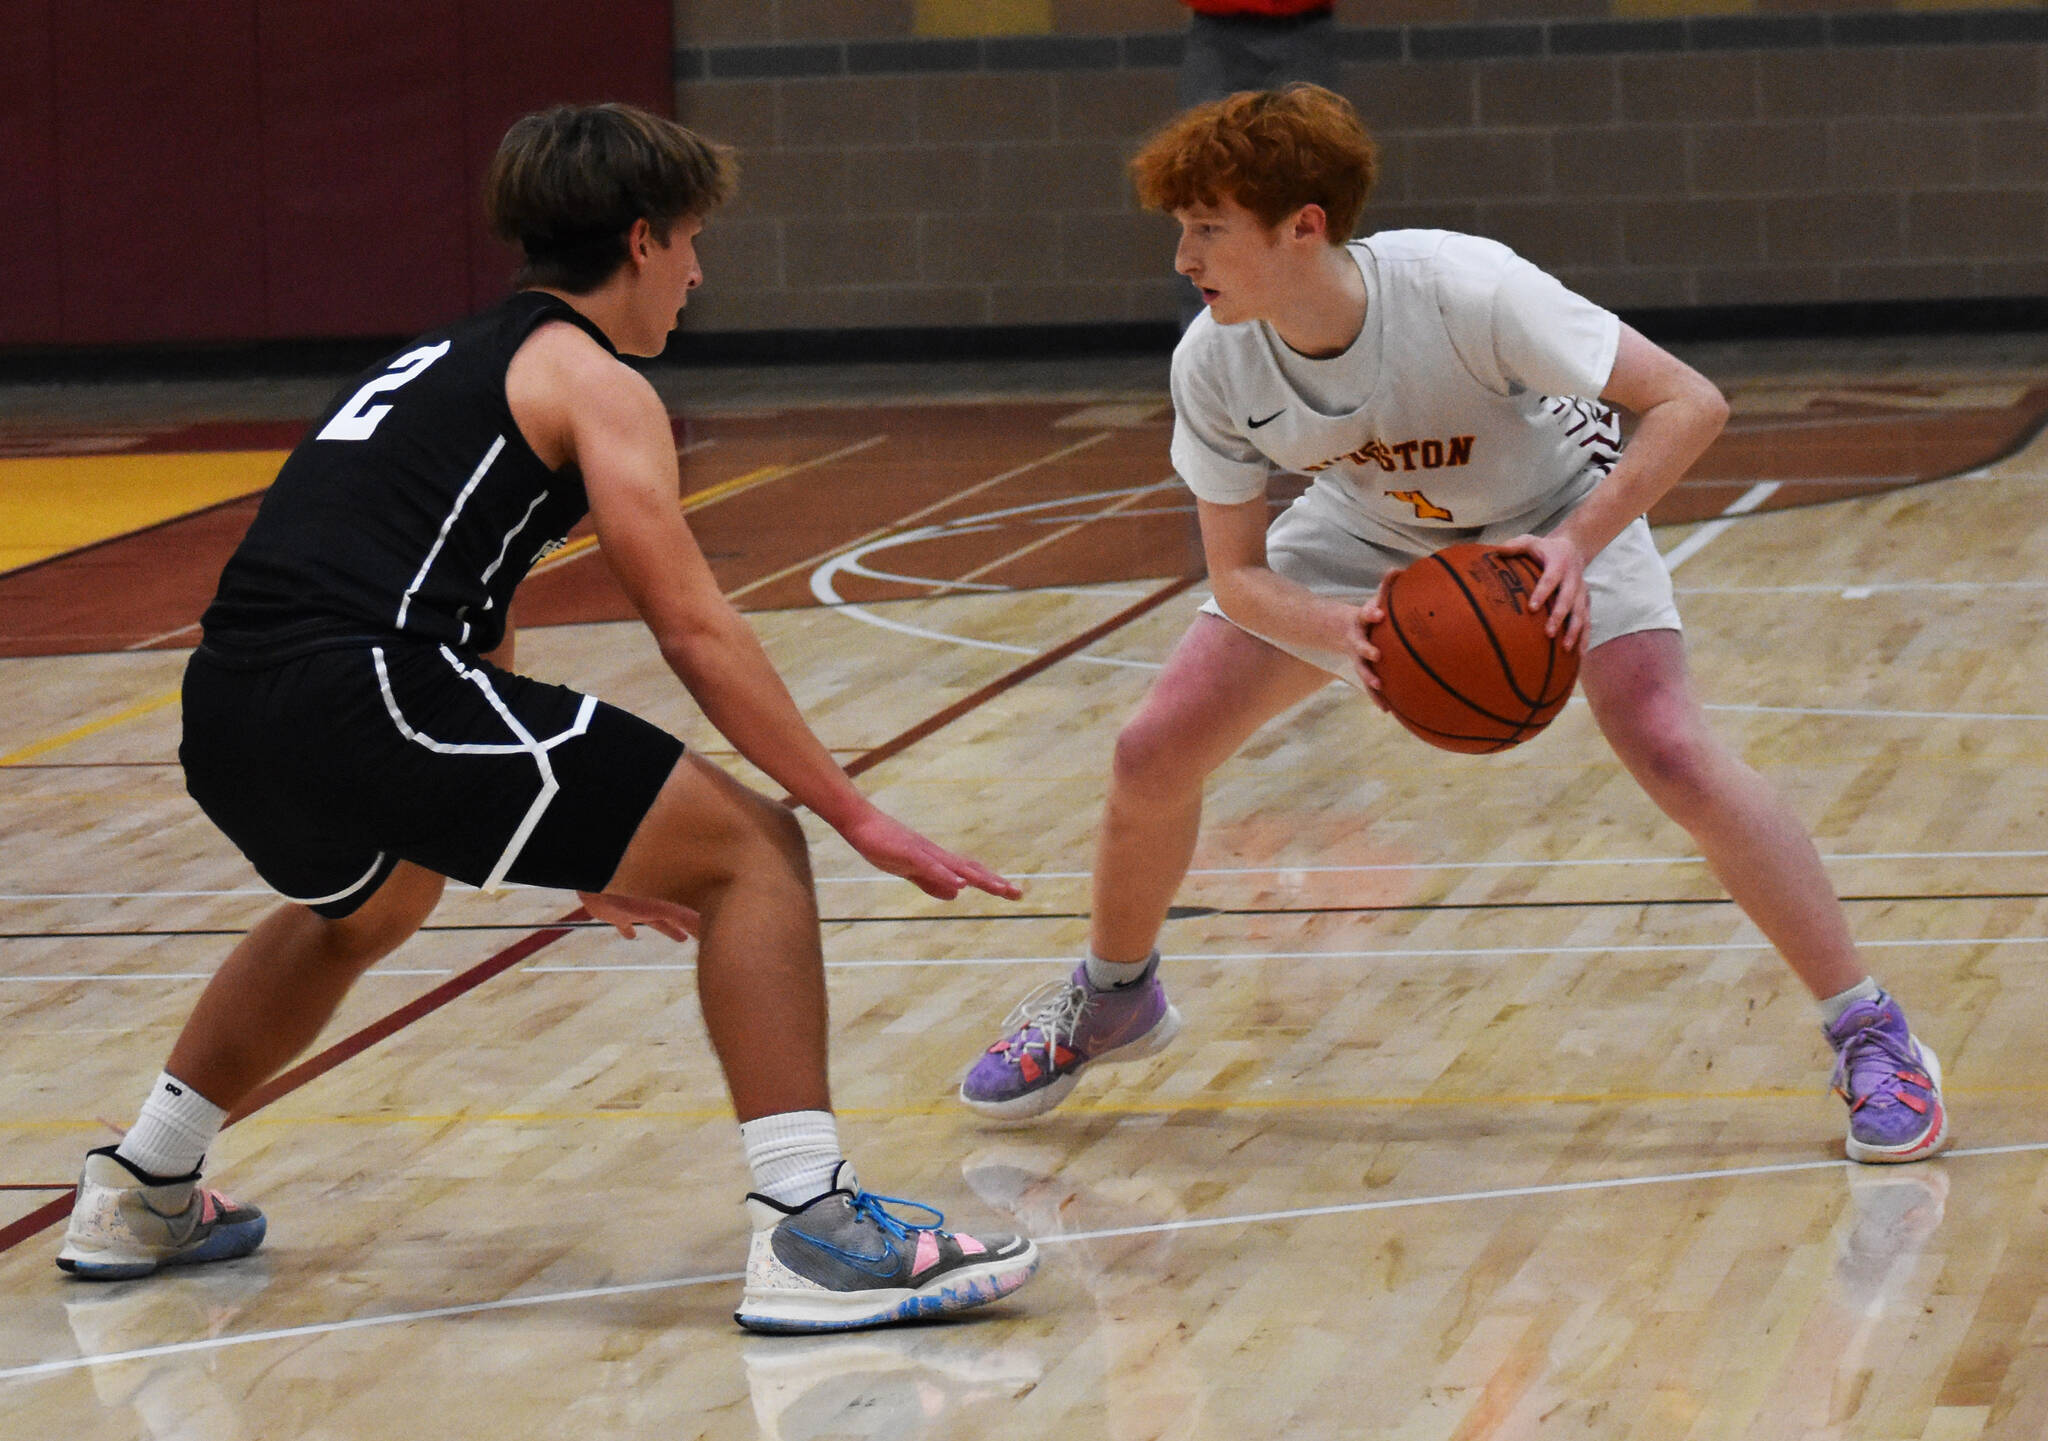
(823, 589)
(1862, 590)
(1700, 539)
(1873, 713)
(878, 878)
(1391, 953)
(1157, 1228)
(988, 586)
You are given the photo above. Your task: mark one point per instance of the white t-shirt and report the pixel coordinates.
(1465, 402)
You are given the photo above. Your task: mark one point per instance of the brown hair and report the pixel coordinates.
(568, 183)
(1271, 151)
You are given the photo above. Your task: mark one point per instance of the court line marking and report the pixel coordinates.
(139, 709)
(1157, 1228)
(950, 1106)
(1568, 863)
(1067, 528)
(712, 494)
(1705, 536)
(1863, 590)
(49, 1214)
(921, 513)
(823, 589)
(1389, 953)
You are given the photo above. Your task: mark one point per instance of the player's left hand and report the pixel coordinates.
(888, 844)
(678, 923)
(1562, 586)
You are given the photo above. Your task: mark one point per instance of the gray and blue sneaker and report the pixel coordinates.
(127, 1223)
(842, 1261)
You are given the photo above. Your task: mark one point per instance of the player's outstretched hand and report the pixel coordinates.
(1562, 586)
(678, 923)
(889, 845)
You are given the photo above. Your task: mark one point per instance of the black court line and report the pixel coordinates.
(1175, 913)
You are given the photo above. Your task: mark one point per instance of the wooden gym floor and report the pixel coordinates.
(1492, 1118)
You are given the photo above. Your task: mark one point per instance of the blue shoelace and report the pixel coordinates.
(871, 1206)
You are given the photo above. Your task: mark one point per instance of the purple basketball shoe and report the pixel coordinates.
(1058, 1031)
(1892, 1083)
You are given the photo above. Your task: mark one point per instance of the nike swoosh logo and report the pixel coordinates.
(881, 1264)
(1255, 424)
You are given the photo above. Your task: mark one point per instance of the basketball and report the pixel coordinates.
(1464, 663)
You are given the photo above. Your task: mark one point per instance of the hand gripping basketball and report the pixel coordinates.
(1464, 663)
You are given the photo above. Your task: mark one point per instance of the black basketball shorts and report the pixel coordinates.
(328, 769)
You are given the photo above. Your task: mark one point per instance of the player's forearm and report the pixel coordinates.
(732, 680)
(1273, 606)
(1669, 437)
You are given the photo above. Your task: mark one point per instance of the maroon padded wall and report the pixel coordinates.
(29, 312)
(271, 169)
(364, 166)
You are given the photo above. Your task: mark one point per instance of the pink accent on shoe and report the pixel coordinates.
(209, 1206)
(927, 1254)
(969, 1246)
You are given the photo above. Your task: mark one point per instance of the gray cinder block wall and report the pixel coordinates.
(895, 179)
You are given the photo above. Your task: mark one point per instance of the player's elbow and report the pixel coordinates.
(1710, 403)
(691, 647)
(1701, 400)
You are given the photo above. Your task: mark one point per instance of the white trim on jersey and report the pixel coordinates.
(345, 892)
(490, 570)
(405, 604)
(524, 745)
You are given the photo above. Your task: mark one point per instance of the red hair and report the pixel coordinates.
(1270, 151)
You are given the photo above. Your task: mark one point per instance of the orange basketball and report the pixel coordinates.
(1463, 662)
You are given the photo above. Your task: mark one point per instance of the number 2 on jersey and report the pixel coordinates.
(355, 422)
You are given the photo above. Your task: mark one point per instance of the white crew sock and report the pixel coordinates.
(170, 1137)
(1831, 1009)
(794, 1155)
(1105, 975)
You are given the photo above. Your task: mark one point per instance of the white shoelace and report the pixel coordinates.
(1054, 1010)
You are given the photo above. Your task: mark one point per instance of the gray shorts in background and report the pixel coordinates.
(1628, 586)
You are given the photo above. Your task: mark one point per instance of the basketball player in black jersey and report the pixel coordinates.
(352, 724)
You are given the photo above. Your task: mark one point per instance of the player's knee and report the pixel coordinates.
(1149, 762)
(1674, 764)
(775, 825)
(390, 917)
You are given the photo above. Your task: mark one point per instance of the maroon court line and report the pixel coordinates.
(50, 1213)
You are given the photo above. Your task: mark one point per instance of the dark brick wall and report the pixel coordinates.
(892, 178)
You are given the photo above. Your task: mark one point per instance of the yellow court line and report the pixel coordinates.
(90, 728)
(695, 500)
(950, 1107)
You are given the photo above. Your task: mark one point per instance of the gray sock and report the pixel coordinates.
(1832, 1008)
(1107, 975)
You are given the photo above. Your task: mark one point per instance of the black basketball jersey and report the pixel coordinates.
(414, 506)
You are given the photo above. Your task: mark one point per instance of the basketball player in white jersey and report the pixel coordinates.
(352, 723)
(1439, 389)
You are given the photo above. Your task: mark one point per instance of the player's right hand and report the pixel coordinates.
(678, 923)
(1364, 654)
(889, 845)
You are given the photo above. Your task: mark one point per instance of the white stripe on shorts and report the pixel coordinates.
(526, 744)
(345, 892)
